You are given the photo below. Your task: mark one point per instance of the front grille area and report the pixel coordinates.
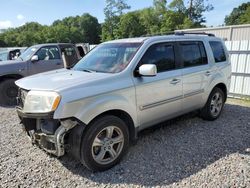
(21, 97)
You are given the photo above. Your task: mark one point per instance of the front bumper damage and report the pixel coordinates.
(46, 132)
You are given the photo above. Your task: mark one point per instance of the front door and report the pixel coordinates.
(49, 58)
(159, 97)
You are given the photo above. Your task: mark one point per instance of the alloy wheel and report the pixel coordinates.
(216, 104)
(107, 145)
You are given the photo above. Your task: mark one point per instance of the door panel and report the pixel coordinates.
(194, 83)
(49, 59)
(159, 97)
(196, 72)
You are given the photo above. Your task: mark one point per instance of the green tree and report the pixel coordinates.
(245, 18)
(171, 21)
(113, 10)
(160, 6)
(178, 6)
(2, 43)
(130, 26)
(238, 15)
(77, 29)
(150, 20)
(89, 29)
(196, 9)
(25, 35)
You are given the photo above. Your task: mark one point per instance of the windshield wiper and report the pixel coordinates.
(87, 70)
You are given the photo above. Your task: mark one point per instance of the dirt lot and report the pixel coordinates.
(186, 152)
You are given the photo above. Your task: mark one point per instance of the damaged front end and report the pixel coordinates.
(44, 131)
(47, 133)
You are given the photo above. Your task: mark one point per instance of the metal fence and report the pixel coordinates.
(240, 59)
(229, 33)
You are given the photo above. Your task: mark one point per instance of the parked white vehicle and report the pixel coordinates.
(95, 109)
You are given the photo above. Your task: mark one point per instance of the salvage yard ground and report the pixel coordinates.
(185, 152)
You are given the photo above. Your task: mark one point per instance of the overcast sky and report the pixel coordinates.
(15, 13)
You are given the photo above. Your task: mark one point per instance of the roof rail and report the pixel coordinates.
(194, 33)
(158, 34)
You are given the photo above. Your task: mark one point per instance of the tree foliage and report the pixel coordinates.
(196, 9)
(245, 18)
(239, 15)
(162, 17)
(130, 26)
(113, 11)
(77, 29)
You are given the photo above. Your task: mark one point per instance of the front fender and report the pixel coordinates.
(87, 109)
(13, 69)
(106, 104)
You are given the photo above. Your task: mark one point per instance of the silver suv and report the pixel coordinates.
(94, 110)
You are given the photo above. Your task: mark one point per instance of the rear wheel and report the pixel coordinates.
(214, 105)
(8, 92)
(104, 143)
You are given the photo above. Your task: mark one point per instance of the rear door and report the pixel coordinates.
(196, 73)
(49, 58)
(159, 97)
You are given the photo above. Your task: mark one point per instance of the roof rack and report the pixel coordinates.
(158, 34)
(193, 33)
(179, 33)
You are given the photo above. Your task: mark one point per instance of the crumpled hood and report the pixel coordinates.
(59, 80)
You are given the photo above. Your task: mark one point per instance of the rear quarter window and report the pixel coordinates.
(218, 51)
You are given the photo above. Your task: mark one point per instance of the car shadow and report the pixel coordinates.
(176, 149)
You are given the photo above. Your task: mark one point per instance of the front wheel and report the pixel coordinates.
(214, 105)
(104, 143)
(8, 92)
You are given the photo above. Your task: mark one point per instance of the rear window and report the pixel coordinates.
(218, 51)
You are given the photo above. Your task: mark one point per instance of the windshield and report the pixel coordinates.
(26, 55)
(4, 56)
(108, 58)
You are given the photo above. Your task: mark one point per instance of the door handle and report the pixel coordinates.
(175, 81)
(208, 73)
(58, 63)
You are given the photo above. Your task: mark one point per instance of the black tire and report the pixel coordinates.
(92, 132)
(207, 110)
(8, 92)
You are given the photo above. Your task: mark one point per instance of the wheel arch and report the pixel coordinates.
(10, 76)
(123, 116)
(223, 87)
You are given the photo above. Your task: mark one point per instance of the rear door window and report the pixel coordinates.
(218, 51)
(193, 54)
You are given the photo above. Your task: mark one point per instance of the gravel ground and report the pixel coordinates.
(185, 152)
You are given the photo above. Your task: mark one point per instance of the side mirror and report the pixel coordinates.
(34, 58)
(148, 70)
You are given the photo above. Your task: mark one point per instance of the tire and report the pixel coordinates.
(111, 138)
(8, 92)
(214, 106)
